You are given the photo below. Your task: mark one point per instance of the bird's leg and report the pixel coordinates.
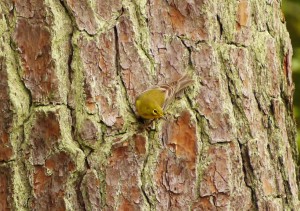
(146, 125)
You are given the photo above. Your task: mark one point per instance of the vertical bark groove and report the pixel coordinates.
(71, 70)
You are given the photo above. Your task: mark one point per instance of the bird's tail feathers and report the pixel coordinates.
(174, 88)
(183, 83)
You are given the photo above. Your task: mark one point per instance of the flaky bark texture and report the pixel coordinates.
(71, 70)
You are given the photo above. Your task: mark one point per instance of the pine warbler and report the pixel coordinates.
(151, 103)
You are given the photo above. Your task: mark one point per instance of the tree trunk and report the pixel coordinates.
(71, 70)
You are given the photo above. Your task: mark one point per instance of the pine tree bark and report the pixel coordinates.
(71, 70)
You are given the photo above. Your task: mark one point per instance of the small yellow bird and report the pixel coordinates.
(151, 103)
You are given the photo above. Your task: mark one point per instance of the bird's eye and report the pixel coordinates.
(155, 112)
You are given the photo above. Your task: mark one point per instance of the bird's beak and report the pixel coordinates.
(163, 116)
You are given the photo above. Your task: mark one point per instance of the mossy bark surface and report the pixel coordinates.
(71, 70)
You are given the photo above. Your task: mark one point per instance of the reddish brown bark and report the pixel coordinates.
(71, 70)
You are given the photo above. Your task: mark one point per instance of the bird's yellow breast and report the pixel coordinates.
(148, 101)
